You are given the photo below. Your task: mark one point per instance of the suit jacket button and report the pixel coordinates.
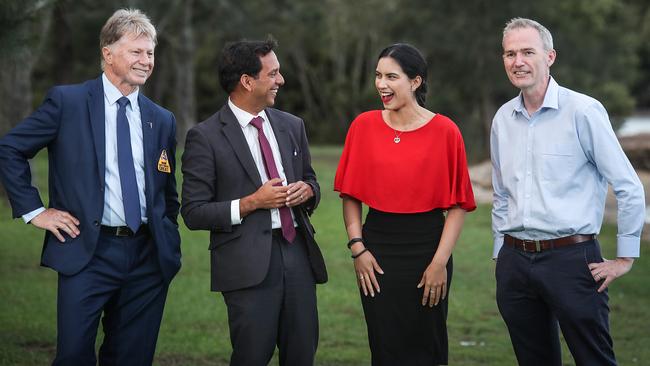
(96, 223)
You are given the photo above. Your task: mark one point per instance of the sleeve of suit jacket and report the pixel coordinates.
(21, 144)
(309, 176)
(199, 208)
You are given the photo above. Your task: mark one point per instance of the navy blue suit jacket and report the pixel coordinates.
(70, 123)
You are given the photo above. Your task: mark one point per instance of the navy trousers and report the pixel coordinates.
(123, 281)
(281, 311)
(536, 292)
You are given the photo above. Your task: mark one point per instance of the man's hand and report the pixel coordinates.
(609, 270)
(298, 193)
(271, 194)
(54, 220)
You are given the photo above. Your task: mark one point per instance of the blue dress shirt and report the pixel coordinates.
(551, 171)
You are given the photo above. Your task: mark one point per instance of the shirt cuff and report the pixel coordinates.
(628, 246)
(235, 218)
(29, 216)
(498, 243)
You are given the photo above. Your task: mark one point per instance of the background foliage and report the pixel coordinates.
(328, 53)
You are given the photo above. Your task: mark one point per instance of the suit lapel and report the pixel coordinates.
(232, 131)
(284, 143)
(149, 127)
(98, 124)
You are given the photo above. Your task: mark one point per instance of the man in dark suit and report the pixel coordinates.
(111, 223)
(247, 177)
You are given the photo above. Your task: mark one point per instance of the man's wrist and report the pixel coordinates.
(247, 205)
(28, 217)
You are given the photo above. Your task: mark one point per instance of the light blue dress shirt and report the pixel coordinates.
(113, 206)
(551, 171)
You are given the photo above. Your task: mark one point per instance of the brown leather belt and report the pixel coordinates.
(542, 245)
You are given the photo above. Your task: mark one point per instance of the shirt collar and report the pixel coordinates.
(244, 118)
(551, 98)
(112, 94)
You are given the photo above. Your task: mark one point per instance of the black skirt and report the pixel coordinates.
(400, 330)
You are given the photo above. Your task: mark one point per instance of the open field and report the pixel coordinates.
(195, 330)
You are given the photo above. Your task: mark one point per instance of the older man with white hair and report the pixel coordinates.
(111, 230)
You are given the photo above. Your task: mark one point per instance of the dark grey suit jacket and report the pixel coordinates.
(217, 168)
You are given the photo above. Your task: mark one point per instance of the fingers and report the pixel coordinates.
(432, 294)
(609, 270)
(57, 234)
(298, 193)
(274, 182)
(364, 283)
(368, 283)
(376, 267)
(605, 284)
(434, 298)
(272, 194)
(373, 279)
(365, 267)
(69, 224)
(55, 221)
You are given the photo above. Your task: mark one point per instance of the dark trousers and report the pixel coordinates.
(536, 292)
(123, 280)
(279, 311)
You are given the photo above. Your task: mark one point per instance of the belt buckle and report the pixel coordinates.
(123, 231)
(538, 245)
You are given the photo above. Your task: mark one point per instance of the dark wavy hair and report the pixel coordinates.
(242, 57)
(412, 63)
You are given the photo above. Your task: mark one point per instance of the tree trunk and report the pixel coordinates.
(20, 48)
(185, 94)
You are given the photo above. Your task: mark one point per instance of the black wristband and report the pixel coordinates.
(354, 240)
(355, 256)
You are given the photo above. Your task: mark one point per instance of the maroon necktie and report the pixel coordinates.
(288, 231)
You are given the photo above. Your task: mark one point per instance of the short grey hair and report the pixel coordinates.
(125, 21)
(518, 23)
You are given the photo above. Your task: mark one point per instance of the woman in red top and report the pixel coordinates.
(408, 165)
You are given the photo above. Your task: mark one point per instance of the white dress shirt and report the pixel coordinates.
(251, 134)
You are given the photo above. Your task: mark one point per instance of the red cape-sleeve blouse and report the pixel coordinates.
(426, 170)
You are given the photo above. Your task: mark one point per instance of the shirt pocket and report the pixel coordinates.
(558, 162)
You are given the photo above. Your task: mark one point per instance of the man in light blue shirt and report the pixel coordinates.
(553, 154)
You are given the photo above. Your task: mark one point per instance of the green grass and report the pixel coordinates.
(195, 329)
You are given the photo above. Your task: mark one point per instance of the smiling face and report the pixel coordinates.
(269, 80)
(395, 88)
(526, 62)
(129, 62)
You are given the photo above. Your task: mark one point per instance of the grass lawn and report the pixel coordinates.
(195, 329)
